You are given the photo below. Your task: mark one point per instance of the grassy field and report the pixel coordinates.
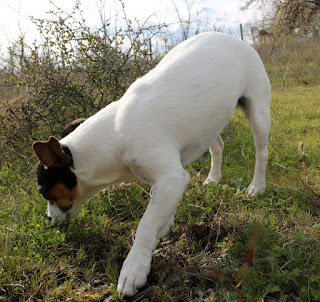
(224, 247)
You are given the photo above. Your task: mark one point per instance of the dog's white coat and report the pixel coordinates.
(166, 120)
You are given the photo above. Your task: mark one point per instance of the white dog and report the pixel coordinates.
(165, 121)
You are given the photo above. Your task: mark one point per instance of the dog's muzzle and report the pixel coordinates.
(55, 214)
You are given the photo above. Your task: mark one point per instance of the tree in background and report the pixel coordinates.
(301, 17)
(187, 20)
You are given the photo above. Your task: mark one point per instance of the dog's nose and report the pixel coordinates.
(50, 218)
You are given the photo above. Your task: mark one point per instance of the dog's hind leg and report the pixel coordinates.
(216, 150)
(257, 111)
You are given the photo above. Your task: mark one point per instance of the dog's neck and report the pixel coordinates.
(96, 151)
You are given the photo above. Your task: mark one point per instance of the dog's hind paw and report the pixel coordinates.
(253, 190)
(212, 179)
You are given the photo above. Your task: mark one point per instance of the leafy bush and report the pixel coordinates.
(74, 73)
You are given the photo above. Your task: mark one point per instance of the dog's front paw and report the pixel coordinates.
(134, 273)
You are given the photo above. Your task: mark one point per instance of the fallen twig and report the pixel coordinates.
(142, 189)
(195, 174)
(307, 187)
(286, 168)
(20, 285)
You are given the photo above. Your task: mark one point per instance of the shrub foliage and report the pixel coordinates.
(76, 71)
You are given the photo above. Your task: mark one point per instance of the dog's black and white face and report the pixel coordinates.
(55, 179)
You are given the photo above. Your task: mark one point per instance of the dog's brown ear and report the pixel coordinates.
(72, 126)
(50, 153)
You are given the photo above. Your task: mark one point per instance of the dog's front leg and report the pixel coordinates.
(166, 193)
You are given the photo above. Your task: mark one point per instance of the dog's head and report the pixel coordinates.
(55, 179)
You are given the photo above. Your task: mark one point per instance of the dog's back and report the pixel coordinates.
(192, 93)
(186, 100)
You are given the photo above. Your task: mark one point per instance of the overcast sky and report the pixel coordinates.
(14, 14)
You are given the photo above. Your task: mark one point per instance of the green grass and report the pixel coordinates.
(224, 247)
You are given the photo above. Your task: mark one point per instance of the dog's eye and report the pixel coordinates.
(52, 200)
